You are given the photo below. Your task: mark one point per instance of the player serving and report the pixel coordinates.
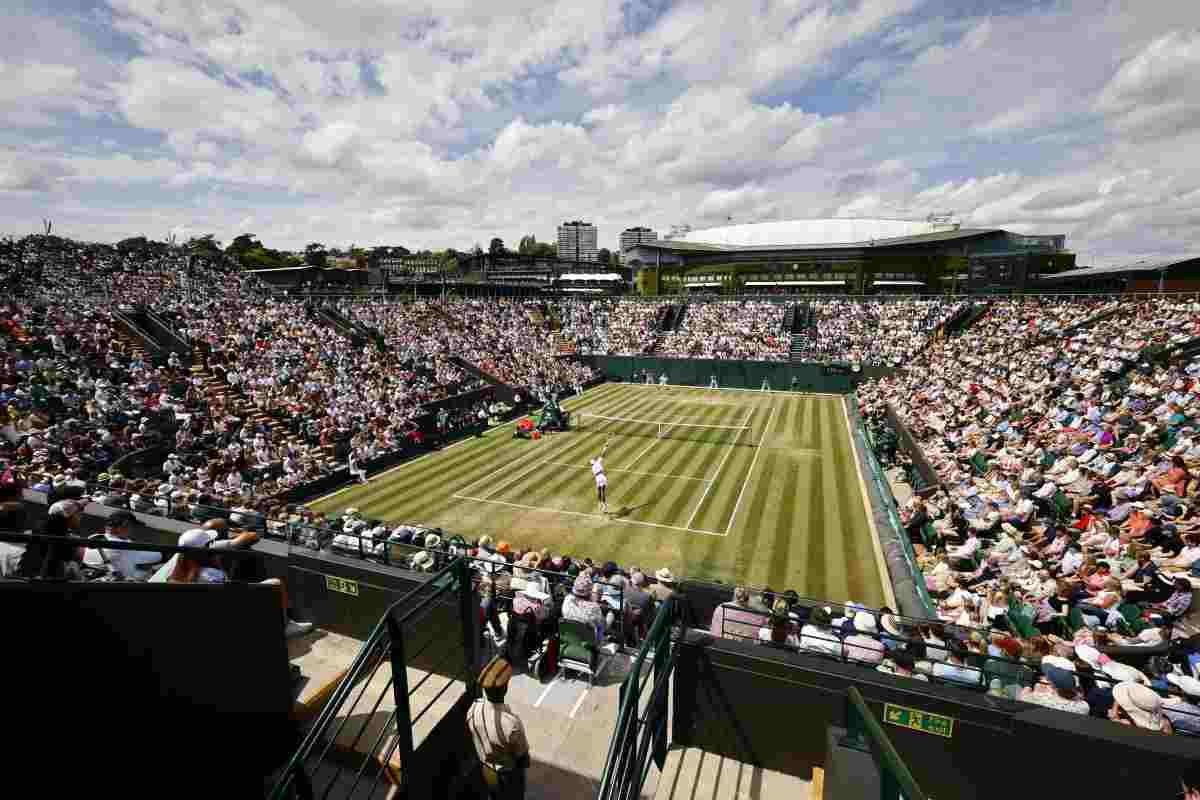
(601, 478)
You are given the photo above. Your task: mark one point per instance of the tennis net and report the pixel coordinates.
(663, 429)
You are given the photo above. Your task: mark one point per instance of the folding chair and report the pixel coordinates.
(578, 649)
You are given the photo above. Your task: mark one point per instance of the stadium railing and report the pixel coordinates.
(997, 674)
(885, 492)
(640, 735)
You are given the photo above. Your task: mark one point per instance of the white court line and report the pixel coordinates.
(720, 467)
(546, 691)
(749, 472)
(590, 516)
(630, 471)
(464, 440)
(639, 455)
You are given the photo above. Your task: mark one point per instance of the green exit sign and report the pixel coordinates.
(917, 720)
(336, 584)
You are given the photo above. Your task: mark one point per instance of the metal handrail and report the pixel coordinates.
(614, 774)
(891, 761)
(355, 671)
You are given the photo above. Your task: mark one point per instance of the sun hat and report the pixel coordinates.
(197, 537)
(864, 622)
(890, 624)
(1141, 703)
(664, 576)
(1186, 683)
(65, 508)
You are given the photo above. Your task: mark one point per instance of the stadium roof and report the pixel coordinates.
(676, 245)
(1140, 266)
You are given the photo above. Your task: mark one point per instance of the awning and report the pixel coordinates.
(584, 289)
(897, 283)
(795, 283)
(703, 283)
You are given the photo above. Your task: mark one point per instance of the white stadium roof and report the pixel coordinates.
(834, 230)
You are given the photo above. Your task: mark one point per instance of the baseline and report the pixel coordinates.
(627, 471)
(589, 516)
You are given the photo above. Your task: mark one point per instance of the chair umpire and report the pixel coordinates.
(498, 735)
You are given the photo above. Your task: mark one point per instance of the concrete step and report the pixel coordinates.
(689, 773)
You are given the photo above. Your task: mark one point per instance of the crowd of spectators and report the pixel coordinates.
(871, 332)
(1061, 526)
(750, 330)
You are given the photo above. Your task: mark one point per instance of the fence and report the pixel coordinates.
(640, 735)
(773, 375)
(366, 737)
(864, 732)
(936, 650)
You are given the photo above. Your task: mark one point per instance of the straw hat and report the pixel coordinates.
(664, 576)
(1141, 703)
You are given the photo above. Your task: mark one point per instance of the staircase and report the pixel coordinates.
(797, 348)
(789, 319)
(680, 313)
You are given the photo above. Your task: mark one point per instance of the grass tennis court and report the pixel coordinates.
(771, 497)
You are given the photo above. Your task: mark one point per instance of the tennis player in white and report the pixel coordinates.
(601, 478)
(662, 380)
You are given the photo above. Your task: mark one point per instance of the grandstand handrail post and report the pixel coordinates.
(893, 764)
(400, 697)
(468, 610)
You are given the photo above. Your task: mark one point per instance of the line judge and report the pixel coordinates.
(498, 735)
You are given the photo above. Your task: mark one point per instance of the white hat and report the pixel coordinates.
(1187, 683)
(65, 508)
(664, 576)
(432, 541)
(864, 622)
(197, 537)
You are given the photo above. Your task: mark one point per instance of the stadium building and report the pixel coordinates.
(846, 255)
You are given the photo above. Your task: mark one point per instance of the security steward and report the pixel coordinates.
(498, 735)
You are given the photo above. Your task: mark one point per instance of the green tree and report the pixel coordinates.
(544, 250)
(315, 255)
(496, 247)
(528, 245)
(206, 246)
(241, 245)
(604, 256)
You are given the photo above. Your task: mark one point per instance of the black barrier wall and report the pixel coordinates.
(736, 374)
(151, 685)
(772, 708)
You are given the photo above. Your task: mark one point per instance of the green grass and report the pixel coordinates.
(780, 505)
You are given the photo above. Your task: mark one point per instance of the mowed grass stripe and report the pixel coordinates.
(790, 518)
(535, 490)
(858, 554)
(737, 455)
(531, 453)
(429, 486)
(674, 498)
(836, 571)
(441, 463)
(705, 559)
(814, 575)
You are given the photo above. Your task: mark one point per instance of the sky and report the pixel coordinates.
(443, 124)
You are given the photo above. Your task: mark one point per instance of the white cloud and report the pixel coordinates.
(444, 124)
